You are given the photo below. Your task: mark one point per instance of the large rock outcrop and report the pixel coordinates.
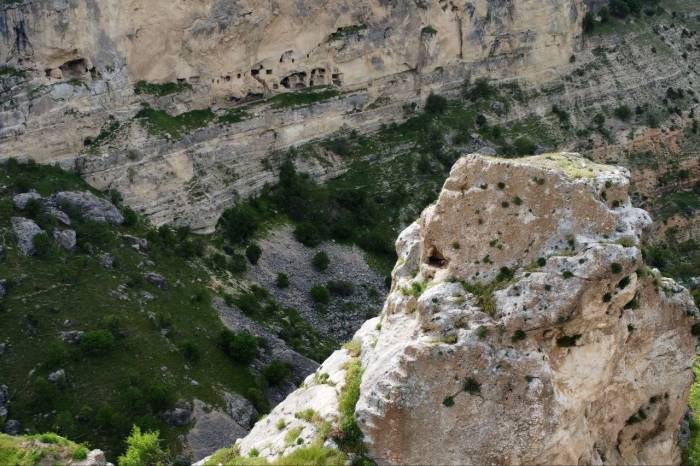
(522, 328)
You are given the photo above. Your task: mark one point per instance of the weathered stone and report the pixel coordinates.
(94, 458)
(106, 260)
(12, 427)
(240, 409)
(522, 327)
(72, 337)
(156, 280)
(59, 215)
(25, 231)
(65, 238)
(21, 200)
(57, 376)
(179, 415)
(90, 206)
(140, 244)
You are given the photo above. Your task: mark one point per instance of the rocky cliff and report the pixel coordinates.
(522, 327)
(73, 96)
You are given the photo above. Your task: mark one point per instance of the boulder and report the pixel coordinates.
(65, 238)
(522, 327)
(90, 206)
(240, 409)
(106, 260)
(25, 231)
(72, 337)
(140, 244)
(156, 280)
(59, 215)
(12, 427)
(180, 415)
(94, 458)
(21, 200)
(57, 376)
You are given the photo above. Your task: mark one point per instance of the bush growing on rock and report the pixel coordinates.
(253, 253)
(282, 280)
(342, 288)
(320, 294)
(321, 261)
(143, 449)
(623, 112)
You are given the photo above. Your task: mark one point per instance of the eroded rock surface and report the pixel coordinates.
(522, 328)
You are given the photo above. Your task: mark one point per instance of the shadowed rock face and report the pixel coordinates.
(560, 348)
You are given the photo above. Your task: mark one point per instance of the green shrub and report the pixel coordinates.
(144, 87)
(276, 372)
(342, 288)
(42, 245)
(253, 253)
(623, 112)
(242, 347)
(349, 396)
(97, 343)
(282, 281)
(524, 146)
(480, 90)
(435, 104)
(130, 217)
(308, 234)
(143, 449)
(190, 351)
(80, 453)
(320, 294)
(237, 264)
(238, 223)
(519, 335)
(96, 234)
(321, 261)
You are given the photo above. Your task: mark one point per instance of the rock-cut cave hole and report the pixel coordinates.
(436, 259)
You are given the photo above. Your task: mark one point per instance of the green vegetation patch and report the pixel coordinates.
(132, 329)
(303, 97)
(160, 90)
(160, 123)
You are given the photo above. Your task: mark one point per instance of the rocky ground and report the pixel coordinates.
(282, 253)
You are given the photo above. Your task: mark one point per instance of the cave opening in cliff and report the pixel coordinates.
(74, 68)
(436, 259)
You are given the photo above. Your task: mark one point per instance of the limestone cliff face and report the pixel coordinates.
(522, 328)
(244, 46)
(84, 57)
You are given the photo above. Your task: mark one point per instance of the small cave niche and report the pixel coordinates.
(74, 69)
(294, 81)
(436, 259)
(268, 71)
(87, 142)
